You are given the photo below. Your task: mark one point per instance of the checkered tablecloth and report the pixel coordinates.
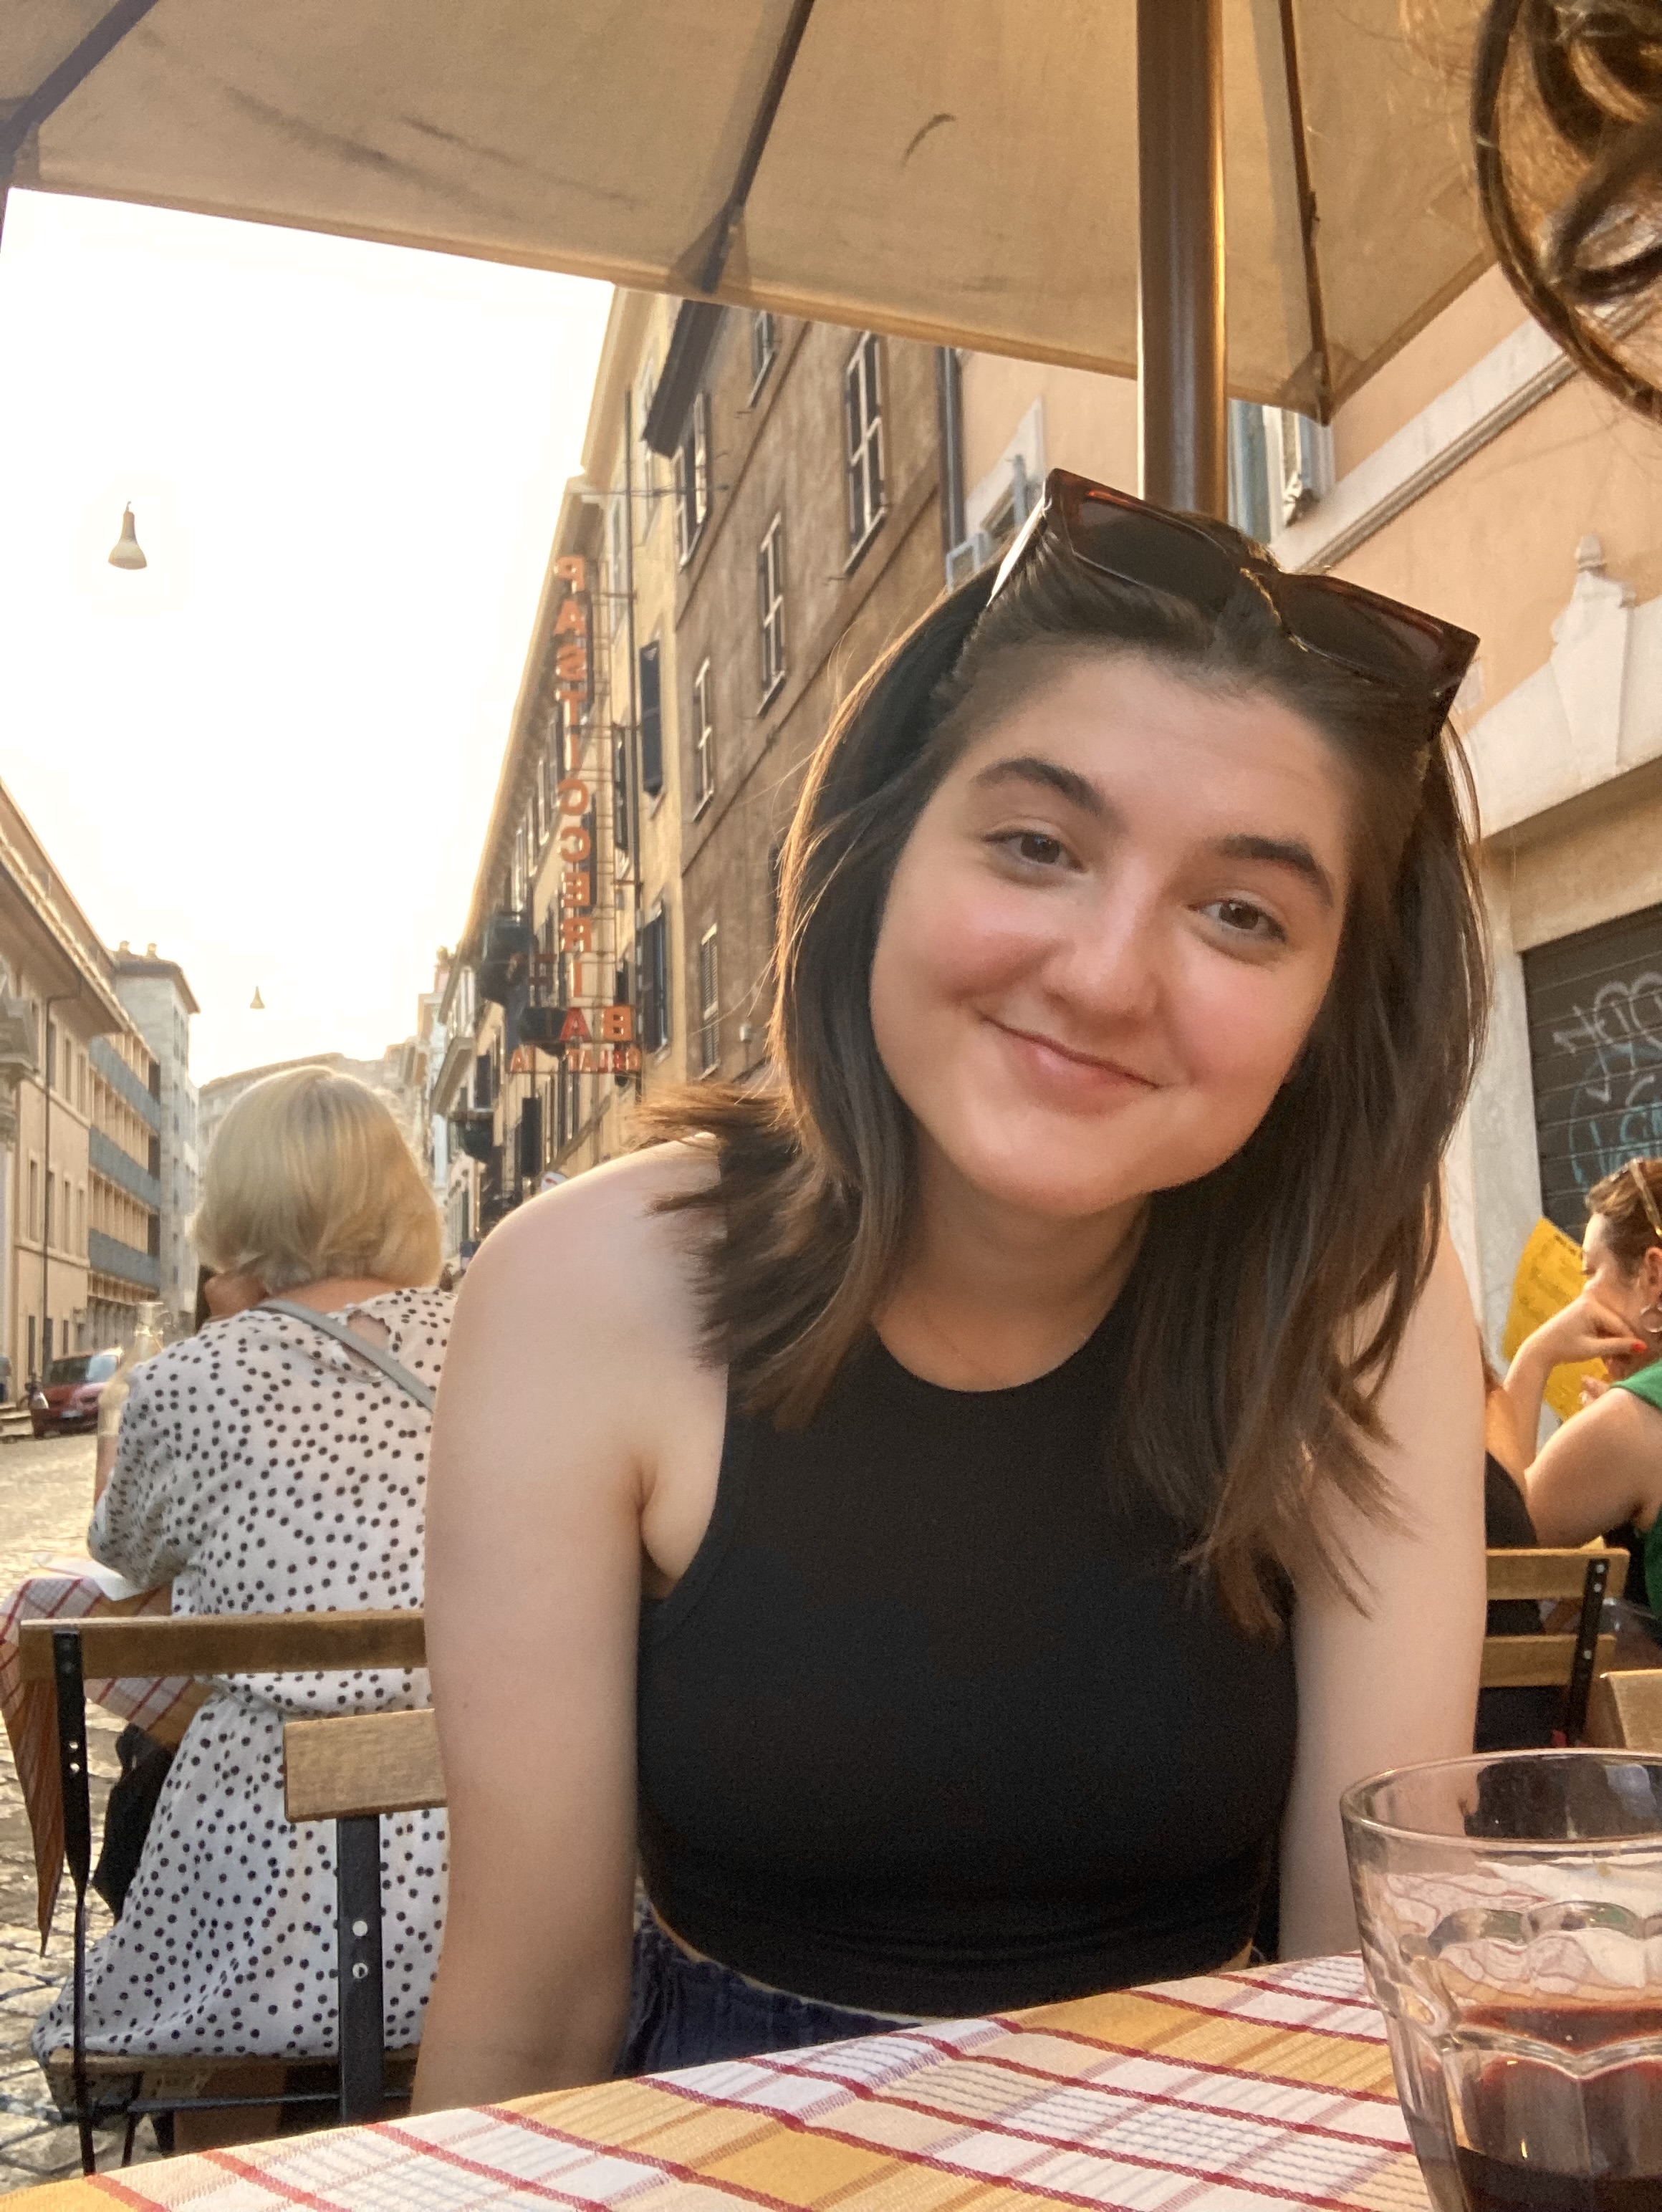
(70, 1589)
(1237, 2093)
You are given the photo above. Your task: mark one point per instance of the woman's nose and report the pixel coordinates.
(1109, 966)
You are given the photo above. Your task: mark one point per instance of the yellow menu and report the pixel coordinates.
(1549, 1276)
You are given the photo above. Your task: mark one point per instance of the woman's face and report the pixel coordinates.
(1110, 933)
(1624, 1292)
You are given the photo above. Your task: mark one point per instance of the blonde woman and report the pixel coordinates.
(276, 1462)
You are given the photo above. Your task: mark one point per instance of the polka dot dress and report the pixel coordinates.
(263, 1468)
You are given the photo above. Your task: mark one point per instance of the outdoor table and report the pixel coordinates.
(1232, 2093)
(72, 1589)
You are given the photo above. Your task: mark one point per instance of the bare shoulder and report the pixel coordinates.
(601, 1252)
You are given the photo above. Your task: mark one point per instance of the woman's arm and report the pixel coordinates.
(140, 1516)
(1600, 1469)
(1584, 1329)
(1398, 1682)
(544, 1445)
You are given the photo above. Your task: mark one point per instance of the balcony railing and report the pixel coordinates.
(108, 1256)
(119, 1077)
(106, 1158)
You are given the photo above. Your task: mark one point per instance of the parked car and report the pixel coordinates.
(67, 1399)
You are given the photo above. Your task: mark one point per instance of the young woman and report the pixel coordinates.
(968, 1498)
(1603, 1470)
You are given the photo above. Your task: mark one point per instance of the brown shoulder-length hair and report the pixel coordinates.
(1272, 1294)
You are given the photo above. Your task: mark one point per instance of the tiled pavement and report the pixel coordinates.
(44, 1493)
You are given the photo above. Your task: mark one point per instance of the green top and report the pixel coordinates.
(1647, 1385)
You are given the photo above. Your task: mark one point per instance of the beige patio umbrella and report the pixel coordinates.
(962, 171)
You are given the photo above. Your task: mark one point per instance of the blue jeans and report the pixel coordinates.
(686, 2012)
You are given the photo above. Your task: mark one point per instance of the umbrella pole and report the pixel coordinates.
(1182, 444)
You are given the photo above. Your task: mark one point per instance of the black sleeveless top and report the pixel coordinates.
(932, 1723)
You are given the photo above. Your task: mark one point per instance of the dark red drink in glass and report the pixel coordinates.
(1511, 1915)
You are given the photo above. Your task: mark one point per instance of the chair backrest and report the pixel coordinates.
(350, 1768)
(1627, 1709)
(1569, 1662)
(69, 1653)
(353, 1765)
(226, 1644)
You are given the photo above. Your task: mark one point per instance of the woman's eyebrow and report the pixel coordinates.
(1286, 852)
(1281, 851)
(1032, 768)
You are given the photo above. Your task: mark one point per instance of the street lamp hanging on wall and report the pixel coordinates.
(127, 552)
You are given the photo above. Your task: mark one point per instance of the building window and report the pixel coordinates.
(704, 739)
(770, 605)
(654, 983)
(616, 551)
(763, 345)
(692, 479)
(646, 390)
(710, 1003)
(649, 677)
(863, 424)
(51, 1193)
(34, 1200)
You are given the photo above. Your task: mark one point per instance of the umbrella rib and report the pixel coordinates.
(56, 86)
(721, 231)
(1307, 216)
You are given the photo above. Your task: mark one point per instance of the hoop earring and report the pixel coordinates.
(1645, 1311)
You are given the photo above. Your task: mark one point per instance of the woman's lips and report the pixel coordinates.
(1076, 1076)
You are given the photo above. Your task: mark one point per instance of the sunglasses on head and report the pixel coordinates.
(1376, 638)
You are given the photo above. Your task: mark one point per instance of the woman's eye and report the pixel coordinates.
(1242, 918)
(1032, 846)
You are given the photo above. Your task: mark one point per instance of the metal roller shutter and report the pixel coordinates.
(1594, 1005)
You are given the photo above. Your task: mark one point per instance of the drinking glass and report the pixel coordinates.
(1511, 1917)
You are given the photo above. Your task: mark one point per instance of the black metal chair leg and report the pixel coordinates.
(1586, 1648)
(357, 1904)
(71, 1696)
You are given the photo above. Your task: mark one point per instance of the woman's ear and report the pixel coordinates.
(1650, 1276)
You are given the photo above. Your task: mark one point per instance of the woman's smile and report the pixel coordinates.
(1064, 1075)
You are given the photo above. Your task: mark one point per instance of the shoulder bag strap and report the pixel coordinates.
(394, 1369)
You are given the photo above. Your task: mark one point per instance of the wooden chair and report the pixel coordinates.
(68, 1654)
(351, 1769)
(1569, 1662)
(1627, 1709)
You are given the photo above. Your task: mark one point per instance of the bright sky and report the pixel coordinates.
(273, 752)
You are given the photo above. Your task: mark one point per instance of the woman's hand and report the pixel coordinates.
(1586, 1328)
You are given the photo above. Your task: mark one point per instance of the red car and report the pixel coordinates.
(69, 1398)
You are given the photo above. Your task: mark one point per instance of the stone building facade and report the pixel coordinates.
(759, 517)
(79, 1196)
(161, 1002)
(821, 544)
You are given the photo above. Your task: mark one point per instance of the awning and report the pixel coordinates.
(961, 171)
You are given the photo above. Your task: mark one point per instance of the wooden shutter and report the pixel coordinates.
(1594, 1003)
(651, 721)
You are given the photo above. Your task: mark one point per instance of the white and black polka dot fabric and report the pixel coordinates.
(262, 1468)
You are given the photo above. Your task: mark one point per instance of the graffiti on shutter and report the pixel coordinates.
(1594, 1005)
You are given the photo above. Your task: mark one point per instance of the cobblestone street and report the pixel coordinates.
(46, 1494)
